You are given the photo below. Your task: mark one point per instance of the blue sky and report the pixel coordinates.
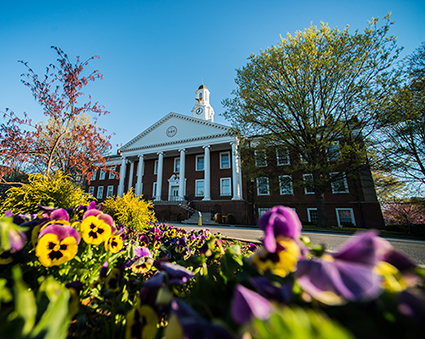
(155, 54)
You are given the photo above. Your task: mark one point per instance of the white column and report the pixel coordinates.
(130, 179)
(207, 173)
(182, 173)
(140, 175)
(235, 179)
(159, 175)
(122, 177)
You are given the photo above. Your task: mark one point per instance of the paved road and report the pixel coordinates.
(415, 249)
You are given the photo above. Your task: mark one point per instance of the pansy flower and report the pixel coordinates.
(95, 230)
(114, 244)
(57, 244)
(142, 322)
(279, 221)
(281, 262)
(347, 275)
(12, 236)
(142, 262)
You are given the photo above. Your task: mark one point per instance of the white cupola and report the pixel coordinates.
(202, 108)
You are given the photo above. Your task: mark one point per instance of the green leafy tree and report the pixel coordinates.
(401, 140)
(316, 94)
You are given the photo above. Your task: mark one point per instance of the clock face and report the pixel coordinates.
(199, 110)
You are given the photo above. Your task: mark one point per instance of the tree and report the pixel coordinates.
(401, 138)
(404, 213)
(317, 93)
(69, 141)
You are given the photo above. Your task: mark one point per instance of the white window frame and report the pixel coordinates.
(221, 160)
(102, 175)
(99, 192)
(309, 215)
(222, 186)
(262, 211)
(177, 165)
(155, 167)
(196, 162)
(260, 158)
(91, 190)
(344, 180)
(112, 173)
(154, 189)
(110, 191)
(266, 185)
(201, 193)
(282, 157)
(306, 191)
(290, 191)
(353, 221)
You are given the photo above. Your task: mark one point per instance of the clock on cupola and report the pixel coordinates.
(202, 108)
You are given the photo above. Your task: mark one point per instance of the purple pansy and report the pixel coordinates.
(59, 214)
(345, 275)
(61, 231)
(16, 238)
(177, 274)
(247, 304)
(279, 221)
(271, 291)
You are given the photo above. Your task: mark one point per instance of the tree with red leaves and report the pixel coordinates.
(69, 141)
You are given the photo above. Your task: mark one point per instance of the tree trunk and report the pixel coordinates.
(322, 219)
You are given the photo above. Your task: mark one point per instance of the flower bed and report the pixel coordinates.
(75, 273)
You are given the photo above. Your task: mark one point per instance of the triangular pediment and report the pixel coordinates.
(175, 128)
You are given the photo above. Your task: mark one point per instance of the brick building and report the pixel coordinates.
(207, 153)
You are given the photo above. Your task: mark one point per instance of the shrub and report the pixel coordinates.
(130, 210)
(231, 219)
(57, 191)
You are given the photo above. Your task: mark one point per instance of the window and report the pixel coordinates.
(303, 160)
(282, 156)
(308, 183)
(199, 188)
(100, 192)
(260, 158)
(110, 192)
(333, 151)
(112, 173)
(285, 185)
(345, 217)
(155, 167)
(93, 176)
(262, 211)
(154, 189)
(263, 186)
(225, 188)
(339, 184)
(176, 165)
(225, 160)
(312, 215)
(102, 175)
(199, 162)
(91, 190)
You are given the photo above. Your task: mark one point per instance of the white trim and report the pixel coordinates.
(176, 160)
(228, 160)
(99, 192)
(260, 157)
(91, 190)
(308, 213)
(110, 191)
(102, 175)
(154, 188)
(202, 193)
(305, 185)
(112, 173)
(337, 210)
(229, 193)
(291, 190)
(343, 178)
(196, 162)
(282, 159)
(155, 167)
(266, 185)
